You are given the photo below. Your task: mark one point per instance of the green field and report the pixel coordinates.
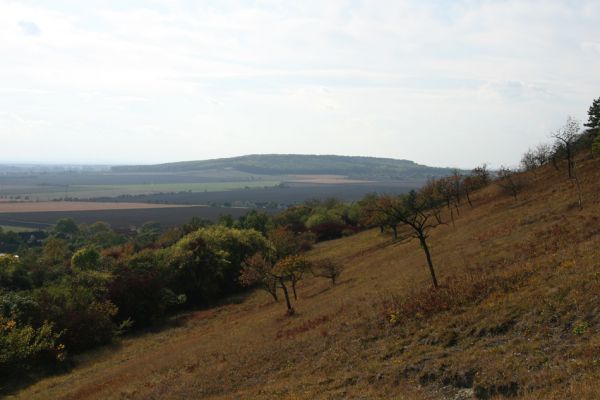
(8, 228)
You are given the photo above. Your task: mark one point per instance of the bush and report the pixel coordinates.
(85, 320)
(22, 347)
(137, 289)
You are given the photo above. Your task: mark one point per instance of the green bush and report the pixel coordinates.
(22, 347)
(87, 321)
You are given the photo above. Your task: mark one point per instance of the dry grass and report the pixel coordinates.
(518, 315)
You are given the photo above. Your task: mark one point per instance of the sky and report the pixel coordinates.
(443, 83)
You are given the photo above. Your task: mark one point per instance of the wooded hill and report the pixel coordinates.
(289, 164)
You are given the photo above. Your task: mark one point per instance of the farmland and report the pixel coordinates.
(119, 219)
(285, 194)
(115, 195)
(346, 177)
(55, 191)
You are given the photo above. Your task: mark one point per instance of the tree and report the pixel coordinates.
(329, 269)
(446, 190)
(294, 267)
(594, 115)
(255, 220)
(271, 275)
(469, 184)
(66, 226)
(509, 181)
(542, 154)
(85, 259)
(596, 146)
(529, 160)
(481, 175)
(565, 139)
(55, 251)
(418, 211)
(148, 234)
(456, 181)
(372, 215)
(256, 270)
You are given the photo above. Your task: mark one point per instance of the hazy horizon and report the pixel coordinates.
(439, 83)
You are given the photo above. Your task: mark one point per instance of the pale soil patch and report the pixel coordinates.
(328, 179)
(45, 206)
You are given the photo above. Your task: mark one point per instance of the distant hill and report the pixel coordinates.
(300, 164)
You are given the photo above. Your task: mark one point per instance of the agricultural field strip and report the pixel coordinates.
(45, 206)
(86, 191)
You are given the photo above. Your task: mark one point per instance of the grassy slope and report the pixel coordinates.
(532, 325)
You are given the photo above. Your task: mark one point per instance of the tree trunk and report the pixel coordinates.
(290, 309)
(273, 293)
(395, 230)
(469, 199)
(429, 262)
(576, 178)
(294, 289)
(569, 161)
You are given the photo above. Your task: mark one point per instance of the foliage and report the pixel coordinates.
(510, 181)
(596, 146)
(23, 346)
(55, 251)
(85, 259)
(138, 288)
(594, 115)
(66, 226)
(148, 234)
(13, 275)
(86, 320)
(328, 268)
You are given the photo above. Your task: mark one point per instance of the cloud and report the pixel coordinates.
(29, 28)
(405, 78)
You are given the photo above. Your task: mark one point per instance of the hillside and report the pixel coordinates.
(290, 164)
(517, 314)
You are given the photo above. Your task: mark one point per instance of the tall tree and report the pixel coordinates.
(594, 115)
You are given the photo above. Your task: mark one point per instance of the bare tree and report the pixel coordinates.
(469, 184)
(542, 154)
(481, 175)
(565, 138)
(446, 188)
(509, 181)
(529, 161)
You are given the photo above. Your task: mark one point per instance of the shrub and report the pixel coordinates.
(85, 320)
(22, 347)
(137, 289)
